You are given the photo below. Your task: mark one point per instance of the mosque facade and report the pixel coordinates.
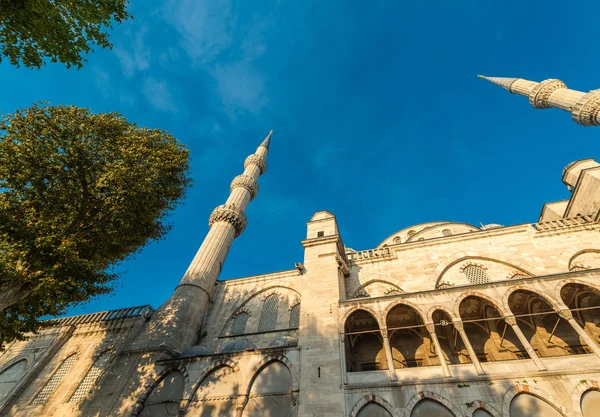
(441, 319)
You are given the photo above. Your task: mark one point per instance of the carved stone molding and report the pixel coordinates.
(256, 160)
(245, 182)
(587, 110)
(541, 93)
(230, 214)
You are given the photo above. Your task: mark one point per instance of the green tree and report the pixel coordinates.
(79, 192)
(62, 30)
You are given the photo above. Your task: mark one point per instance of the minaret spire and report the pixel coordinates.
(178, 321)
(584, 107)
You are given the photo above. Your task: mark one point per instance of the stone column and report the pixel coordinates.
(566, 314)
(513, 323)
(388, 355)
(438, 349)
(343, 359)
(458, 325)
(241, 402)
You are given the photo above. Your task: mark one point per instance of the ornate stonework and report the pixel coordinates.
(258, 161)
(541, 93)
(587, 111)
(230, 214)
(246, 182)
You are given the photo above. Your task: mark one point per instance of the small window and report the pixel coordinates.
(90, 379)
(476, 275)
(295, 317)
(239, 324)
(446, 232)
(268, 316)
(53, 382)
(397, 239)
(411, 233)
(320, 233)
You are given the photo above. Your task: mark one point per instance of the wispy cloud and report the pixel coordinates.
(139, 57)
(158, 95)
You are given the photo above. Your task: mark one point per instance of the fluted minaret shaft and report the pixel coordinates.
(584, 107)
(178, 321)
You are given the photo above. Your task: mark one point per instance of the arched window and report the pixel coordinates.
(590, 403)
(271, 393)
(295, 317)
(446, 232)
(239, 324)
(216, 395)
(94, 373)
(427, 408)
(268, 316)
(397, 239)
(10, 376)
(53, 382)
(164, 399)
(411, 233)
(526, 405)
(476, 274)
(373, 410)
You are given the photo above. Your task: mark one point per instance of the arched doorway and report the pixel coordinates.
(271, 393)
(216, 395)
(491, 337)
(363, 343)
(409, 339)
(548, 333)
(584, 303)
(164, 399)
(526, 405)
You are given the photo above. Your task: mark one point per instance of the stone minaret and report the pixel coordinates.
(584, 107)
(178, 321)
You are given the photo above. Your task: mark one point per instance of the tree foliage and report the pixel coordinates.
(79, 192)
(61, 30)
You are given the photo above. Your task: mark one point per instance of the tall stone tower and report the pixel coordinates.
(584, 107)
(178, 321)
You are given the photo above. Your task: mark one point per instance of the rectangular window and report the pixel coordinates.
(320, 234)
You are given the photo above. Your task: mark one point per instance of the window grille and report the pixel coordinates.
(476, 275)
(91, 377)
(446, 232)
(51, 385)
(239, 324)
(268, 316)
(295, 317)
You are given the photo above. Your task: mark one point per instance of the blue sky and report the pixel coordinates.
(377, 112)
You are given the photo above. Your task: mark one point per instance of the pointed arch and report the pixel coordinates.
(264, 291)
(480, 295)
(429, 395)
(372, 399)
(480, 405)
(374, 281)
(445, 309)
(410, 304)
(247, 385)
(452, 260)
(582, 388)
(526, 389)
(218, 386)
(348, 313)
(156, 382)
(550, 300)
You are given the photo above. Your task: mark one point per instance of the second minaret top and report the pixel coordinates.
(584, 107)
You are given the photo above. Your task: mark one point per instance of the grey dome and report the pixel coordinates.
(238, 346)
(200, 350)
(284, 341)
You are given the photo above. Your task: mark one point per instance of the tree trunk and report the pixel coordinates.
(10, 295)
